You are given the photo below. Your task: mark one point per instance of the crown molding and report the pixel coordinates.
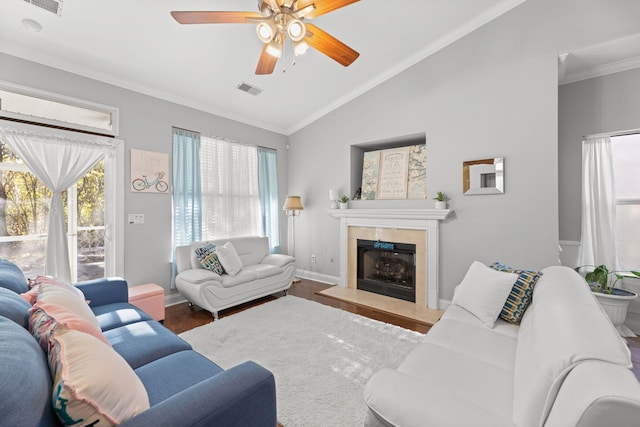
(94, 74)
(602, 70)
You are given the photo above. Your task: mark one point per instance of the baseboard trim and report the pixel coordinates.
(318, 277)
(173, 299)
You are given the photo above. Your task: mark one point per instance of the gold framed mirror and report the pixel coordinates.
(485, 176)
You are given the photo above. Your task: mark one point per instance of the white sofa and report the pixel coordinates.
(564, 365)
(262, 274)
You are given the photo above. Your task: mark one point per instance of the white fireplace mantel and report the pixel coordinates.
(417, 219)
(413, 214)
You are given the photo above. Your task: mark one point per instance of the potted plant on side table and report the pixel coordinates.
(614, 301)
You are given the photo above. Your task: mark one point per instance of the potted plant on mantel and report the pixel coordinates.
(344, 201)
(614, 301)
(441, 200)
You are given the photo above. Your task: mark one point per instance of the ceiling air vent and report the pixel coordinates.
(54, 6)
(246, 87)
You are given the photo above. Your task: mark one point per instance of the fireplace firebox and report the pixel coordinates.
(387, 268)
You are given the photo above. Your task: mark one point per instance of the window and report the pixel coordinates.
(626, 159)
(17, 102)
(222, 189)
(24, 210)
(230, 193)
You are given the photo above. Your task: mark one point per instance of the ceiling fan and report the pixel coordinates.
(278, 19)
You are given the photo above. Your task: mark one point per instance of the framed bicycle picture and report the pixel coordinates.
(149, 172)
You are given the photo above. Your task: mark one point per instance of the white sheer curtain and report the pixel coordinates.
(230, 192)
(598, 204)
(58, 160)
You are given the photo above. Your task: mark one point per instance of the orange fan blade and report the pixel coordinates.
(323, 6)
(267, 63)
(330, 46)
(199, 17)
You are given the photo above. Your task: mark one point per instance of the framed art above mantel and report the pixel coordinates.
(395, 173)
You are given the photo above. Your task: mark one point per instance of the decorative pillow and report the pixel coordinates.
(229, 259)
(35, 284)
(25, 386)
(69, 298)
(45, 319)
(92, 383)
(521, 293)
(13, 307)
(483, 292)
(31, 295)
(209, 259)
(11, 277)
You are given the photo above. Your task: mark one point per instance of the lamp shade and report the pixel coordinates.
(266, 31)
(292, 203)
(333, 194)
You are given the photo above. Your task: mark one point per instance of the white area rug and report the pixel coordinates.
(321, 356)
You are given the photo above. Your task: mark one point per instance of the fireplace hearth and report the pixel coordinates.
(387, 268)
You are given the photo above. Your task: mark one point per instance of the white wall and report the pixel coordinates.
(493, 93)
(145, 124)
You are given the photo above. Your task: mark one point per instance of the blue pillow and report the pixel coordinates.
(11, 277)
(26, 382)
(14, 307)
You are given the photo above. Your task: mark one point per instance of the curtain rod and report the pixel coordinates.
(222, 138)
(186, 130)
(618, 133)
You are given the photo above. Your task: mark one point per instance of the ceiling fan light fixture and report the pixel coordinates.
(296, 30)
(300, 47)
(274, 49)
(266, 31)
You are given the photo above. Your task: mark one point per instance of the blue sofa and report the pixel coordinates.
(184, 388)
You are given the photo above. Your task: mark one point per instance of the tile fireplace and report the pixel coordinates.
(417, 227)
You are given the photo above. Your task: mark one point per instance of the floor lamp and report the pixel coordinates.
(292, 206)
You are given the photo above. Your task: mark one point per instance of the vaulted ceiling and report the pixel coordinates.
(139, 46)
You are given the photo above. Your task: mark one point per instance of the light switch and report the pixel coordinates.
(136, 218)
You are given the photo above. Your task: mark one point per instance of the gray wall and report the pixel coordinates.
(492, 93)
(600, 105)
(604, 104)
(145, 124)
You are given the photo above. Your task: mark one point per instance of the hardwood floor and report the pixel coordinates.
(180, 318)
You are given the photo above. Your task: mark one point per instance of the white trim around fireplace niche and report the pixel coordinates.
(416, 219)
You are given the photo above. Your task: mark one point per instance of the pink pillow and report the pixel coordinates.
(31, 295)
(66, 296)
(52, 281)
(92, 383)
(46, 318)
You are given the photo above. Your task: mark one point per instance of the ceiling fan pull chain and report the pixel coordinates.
(284, 58)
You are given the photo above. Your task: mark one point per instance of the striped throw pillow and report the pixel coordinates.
(521, 294)
(209, 259)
